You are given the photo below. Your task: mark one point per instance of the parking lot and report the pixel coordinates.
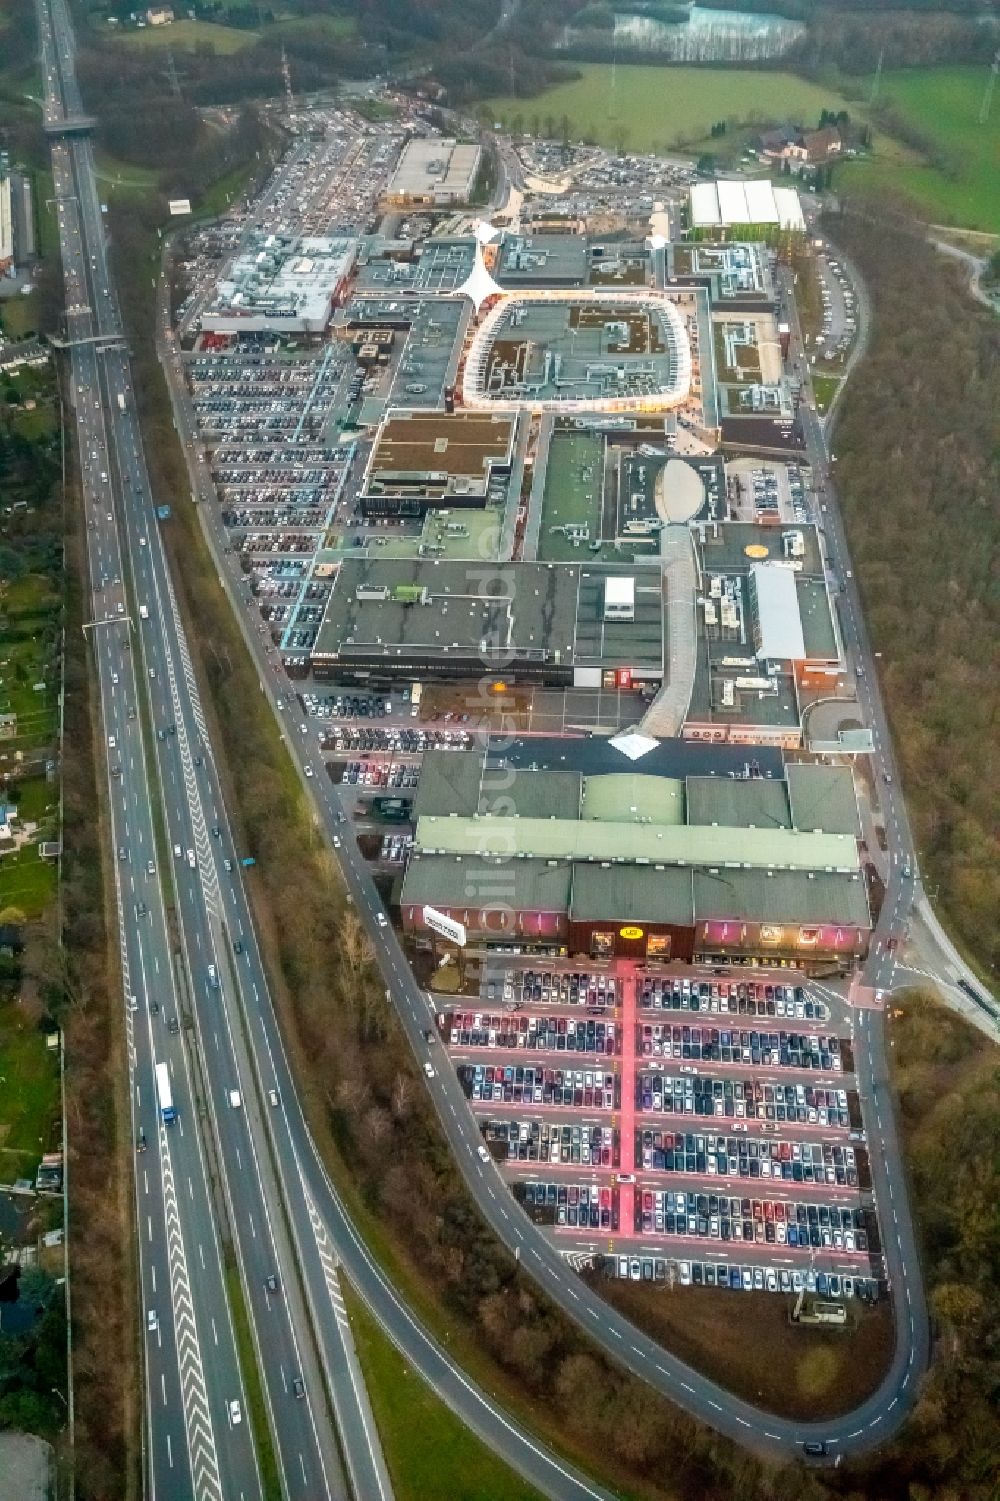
(633, 1111)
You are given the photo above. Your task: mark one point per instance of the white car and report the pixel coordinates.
(381, 919)
(235, 1413)
(429, 1070)
(151, 1320)
(309, 771)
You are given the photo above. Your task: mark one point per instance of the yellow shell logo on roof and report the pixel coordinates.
(756, 550)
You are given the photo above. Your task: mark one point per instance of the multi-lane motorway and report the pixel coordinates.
(213, 1211)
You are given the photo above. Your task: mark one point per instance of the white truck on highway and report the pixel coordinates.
(121, 402)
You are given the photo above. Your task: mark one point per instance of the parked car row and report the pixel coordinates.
(747, 1157)
(720, 1045)
(582, 1205)
(742, 998)
(380, 774)
(742, 1099)
(395, 848)
(563, 1034)
(542, 1141)
(348, 705)
(764, 1221)
(514, 1084)
(394, 741)
(572, 987)
(740, 1278)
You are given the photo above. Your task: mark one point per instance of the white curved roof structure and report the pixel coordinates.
(479, 284)
(673, 392)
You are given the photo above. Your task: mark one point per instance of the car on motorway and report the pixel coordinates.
(381, 919)
(271, 1282)
(272, 1097)
(152, 1322)
(298, 1387)
(235, 1413)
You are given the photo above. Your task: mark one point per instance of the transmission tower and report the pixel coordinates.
(173, 80)
(991, 81)
(877, 80)
(613, 94)
(286, 74)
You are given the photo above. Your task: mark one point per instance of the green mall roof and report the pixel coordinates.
(701, 845)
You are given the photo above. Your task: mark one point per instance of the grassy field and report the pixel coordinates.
(430, 1454)
(660, 108)
(187, 35)
(19, 316)
(29, 1097)
(825, 389)
(28, 609)
(944, 105)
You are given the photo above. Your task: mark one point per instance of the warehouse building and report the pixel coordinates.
(705, 868)
(426, 460)
(537, 622)
(749, 205)
(281, 284)
(434, 172)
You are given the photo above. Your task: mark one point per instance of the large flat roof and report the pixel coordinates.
(823, 797)
(752, 202)
(521, 611)
(435, 166)
(635, 893)
(631, 796)
(458, 443)
(456, 782)
(776, 605)
(528, 885)
(742, 803)
(709, 845)
(622, 893)
(782, 896)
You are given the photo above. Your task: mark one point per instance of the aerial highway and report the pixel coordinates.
(202, 1191)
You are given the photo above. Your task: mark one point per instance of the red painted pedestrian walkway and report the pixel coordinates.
(625, 976)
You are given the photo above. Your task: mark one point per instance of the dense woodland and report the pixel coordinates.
(918, 446)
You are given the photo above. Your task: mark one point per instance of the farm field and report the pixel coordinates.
(188, 35)
(666, 109)
(943, 104)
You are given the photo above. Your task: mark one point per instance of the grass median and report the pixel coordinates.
(270, 1479)
(431, 1455)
